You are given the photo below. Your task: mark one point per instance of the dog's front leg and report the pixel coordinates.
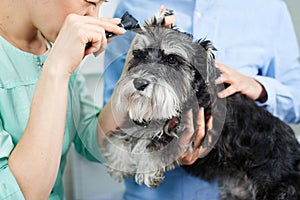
(117, 150)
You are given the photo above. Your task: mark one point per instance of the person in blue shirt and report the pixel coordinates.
(257, 53)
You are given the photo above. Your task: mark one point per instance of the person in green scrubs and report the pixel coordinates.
(44, 104)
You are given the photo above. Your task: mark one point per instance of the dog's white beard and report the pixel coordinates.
(157, 101)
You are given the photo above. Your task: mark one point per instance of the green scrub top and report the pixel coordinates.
(19, 73)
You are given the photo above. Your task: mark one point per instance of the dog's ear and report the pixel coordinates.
(212, 73)
(205, 74)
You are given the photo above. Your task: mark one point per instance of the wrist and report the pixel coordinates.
(263, 96)
(55, 70)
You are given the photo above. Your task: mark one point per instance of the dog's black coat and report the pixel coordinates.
(257, 156)
(253, 146)
(256, 152)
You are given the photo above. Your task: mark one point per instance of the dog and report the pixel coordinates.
(252, 154)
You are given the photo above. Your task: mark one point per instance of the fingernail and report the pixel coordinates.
(123, 30)
(117, 19)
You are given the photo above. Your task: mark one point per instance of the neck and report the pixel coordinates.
(17, 29)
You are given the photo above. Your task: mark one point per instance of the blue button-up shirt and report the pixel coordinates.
(254, 37)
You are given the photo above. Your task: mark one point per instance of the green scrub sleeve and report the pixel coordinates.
(9, 188)
(86, 120)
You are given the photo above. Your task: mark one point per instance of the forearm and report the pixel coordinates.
(36, 158)
(108, 121)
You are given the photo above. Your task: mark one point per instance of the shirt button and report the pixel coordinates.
(198, 14)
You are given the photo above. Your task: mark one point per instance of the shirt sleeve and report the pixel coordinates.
(281, 79)
(85, 115)
(9, 188)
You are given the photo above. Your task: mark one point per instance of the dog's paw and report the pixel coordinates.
(118, 175)
(151, 180)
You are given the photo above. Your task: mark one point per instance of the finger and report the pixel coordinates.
(224, 76)
(209, 123)
(224, 69)
(227, 92)
(169, 21)
(220, 65)
(203, 151)
(188, 158)
(103, 47)
(113, 28)
(109, 24)
(115, 21)
(220, 80)
(97, 40)
(99, 49)
(186, 137)
(162, 9)
(200, 131)
(100, 21)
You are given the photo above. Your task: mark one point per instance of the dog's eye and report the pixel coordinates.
(172, 60)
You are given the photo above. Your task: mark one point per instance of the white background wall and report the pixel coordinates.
(89, 181)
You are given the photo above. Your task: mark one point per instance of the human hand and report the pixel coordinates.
(169, 20)
(189, 157)
(69, 47)
(239, 83)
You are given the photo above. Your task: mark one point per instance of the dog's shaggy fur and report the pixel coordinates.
(256, 155)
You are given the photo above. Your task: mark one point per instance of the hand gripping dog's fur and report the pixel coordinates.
(256, 155)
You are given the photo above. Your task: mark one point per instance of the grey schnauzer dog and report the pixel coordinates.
(251, 153)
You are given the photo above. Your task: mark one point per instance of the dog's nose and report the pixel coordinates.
(140, 83)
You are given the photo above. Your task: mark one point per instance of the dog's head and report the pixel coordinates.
(166, 69)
